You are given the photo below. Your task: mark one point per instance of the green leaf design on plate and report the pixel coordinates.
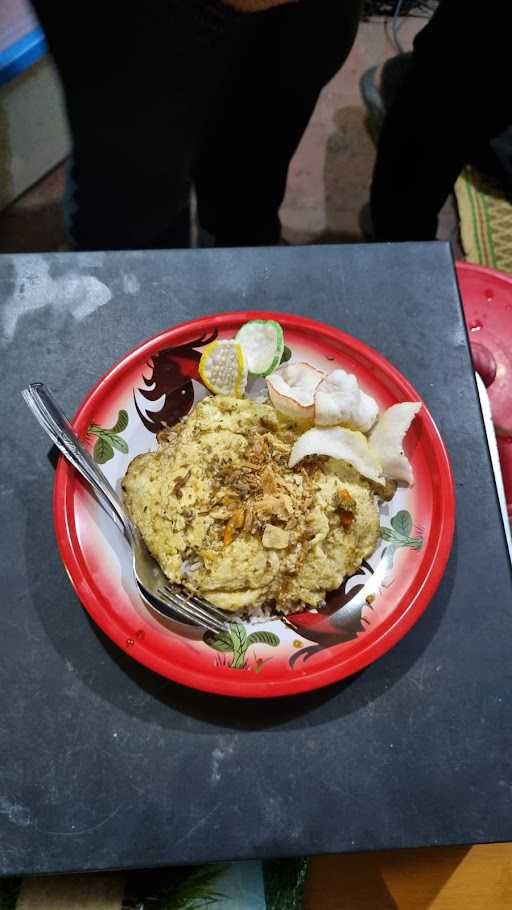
(103, 450)
(240, 645)
(402, 523)
(238, 642)
(414, 543)
(109, 439)
(389, 534)
(118, 442)
(219, 641)
(286, 355)
(121, 422)
(398, 535)
(238, 635)
(263, 638)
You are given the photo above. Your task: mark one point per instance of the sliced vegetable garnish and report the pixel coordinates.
(223, 368)
(338, 442)
(263, 345)
(339, 399)
(292, 389)
(386, 440)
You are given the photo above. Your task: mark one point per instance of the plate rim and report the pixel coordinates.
(236, 686)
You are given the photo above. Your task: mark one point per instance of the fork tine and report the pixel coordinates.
(201, 609)
(160, 602)
(195, 617)
(197, 601)
(215, 622)
(184, 613)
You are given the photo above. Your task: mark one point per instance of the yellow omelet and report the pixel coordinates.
(225, 517)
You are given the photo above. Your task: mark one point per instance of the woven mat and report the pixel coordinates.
(485, 221)
(277, 885)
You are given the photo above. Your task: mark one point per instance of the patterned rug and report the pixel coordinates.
(485, 221)
(277, 885)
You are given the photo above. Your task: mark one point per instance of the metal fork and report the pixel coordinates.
(154, 588)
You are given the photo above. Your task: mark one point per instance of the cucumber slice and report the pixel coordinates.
(262, 341)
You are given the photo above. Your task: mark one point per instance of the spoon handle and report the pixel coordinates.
(48, 413)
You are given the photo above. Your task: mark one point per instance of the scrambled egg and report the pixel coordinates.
(225, 517)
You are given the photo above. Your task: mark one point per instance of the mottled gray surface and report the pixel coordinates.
(106, 765)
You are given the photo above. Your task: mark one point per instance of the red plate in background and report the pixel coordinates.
(158, 381)
(487, 301)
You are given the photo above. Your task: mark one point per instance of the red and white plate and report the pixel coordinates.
(119, 419)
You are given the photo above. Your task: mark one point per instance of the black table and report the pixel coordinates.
(105, 765)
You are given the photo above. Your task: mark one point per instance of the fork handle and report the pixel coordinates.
(46, 410)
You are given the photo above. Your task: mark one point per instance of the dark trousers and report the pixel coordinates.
(454, 99)
(178, 92)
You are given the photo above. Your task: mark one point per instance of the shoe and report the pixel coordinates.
(373, 102)
(378, 98)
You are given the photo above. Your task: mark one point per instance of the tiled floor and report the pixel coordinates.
(331, 172)
(329, 176)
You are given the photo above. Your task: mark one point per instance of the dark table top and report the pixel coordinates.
(105, 765)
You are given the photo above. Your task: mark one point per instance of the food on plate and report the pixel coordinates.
(225, 515)
(292, 390)
(302, 392)
(223, 368)
(262, 341)
(264, 506)
(338, 442)
(339, 399)
(380, 457)
(387, 438)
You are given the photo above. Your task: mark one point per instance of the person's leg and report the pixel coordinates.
(140, 85)
(450, 103)
(290, 54)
